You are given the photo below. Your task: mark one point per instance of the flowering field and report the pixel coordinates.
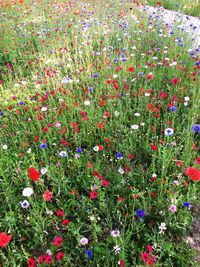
(99, 136)
(186, 6)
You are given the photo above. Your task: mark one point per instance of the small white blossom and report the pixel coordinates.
(44, 108)
(63, 154)
(96, 148)
(5, 147)
(186, 98)
(115, 233)
(87, 103)
(116, 113)
(43, 170)
(120, 170)
(162, 228)
(27, 192)
(137, 114)
(134, 127)
(116, 249)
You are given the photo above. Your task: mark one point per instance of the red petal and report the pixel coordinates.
(33, 174)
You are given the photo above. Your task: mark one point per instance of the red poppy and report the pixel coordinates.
(4, 239)
(100, 125)
(193, 173)
(65, 222)
(33, 174)
(131, 69)
(153, 147)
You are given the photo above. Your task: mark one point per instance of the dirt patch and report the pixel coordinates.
(194, 238)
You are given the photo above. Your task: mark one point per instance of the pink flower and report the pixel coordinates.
(93, 194)
(172, 208)
(58, 241)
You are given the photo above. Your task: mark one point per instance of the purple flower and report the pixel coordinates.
(96, 75)
(24, 204)
(186, 204)
(196, 128)
(89, 254)
(43, 145)
(79, 150)
(169, 131)
(140, 213)
(172, 108)
(119, 155)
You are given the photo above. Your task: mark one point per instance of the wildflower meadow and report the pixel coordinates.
(99, 135)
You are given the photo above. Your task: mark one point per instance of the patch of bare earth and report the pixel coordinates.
(194, 238)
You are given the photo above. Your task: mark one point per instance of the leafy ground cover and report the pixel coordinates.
(99, 136)
(185, 6)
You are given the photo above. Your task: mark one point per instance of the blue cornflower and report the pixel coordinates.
(186, 204)
(119, 155)
(140, 213)
(169, 131)
(21, 103)
(24, 204)
(1, 113)
(196, 128)
(89, 254)
(43, 145)
(141, 73)
(115, 60)
(172, 108)
(79, 150)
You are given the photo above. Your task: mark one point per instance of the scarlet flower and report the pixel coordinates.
(150, 76)
(179, 163)
(93, 194)
(65, 222)
(193, 173)
(153, 147)
(101, 147)
(33, 174)
(174, 81)
(100, 125)
(4, 239)
(131, 69)
(89, 165)
(47, 195)
(130, 156)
